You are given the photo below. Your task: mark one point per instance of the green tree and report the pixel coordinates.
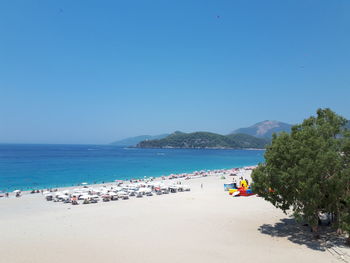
(307, 171)
(344, 180)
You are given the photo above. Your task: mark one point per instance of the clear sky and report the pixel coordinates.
(97, 71)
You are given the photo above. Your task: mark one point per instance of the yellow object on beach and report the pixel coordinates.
(244, 184)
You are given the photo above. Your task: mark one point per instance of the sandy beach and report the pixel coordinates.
(203, 225)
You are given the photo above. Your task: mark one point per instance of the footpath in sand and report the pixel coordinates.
(203, 225)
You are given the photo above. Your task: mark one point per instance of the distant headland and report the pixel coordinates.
(257, 136)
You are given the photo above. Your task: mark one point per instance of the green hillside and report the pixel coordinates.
(248, 141)
(205, 140)
(133, 141)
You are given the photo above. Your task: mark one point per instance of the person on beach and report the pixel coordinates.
(202, 186)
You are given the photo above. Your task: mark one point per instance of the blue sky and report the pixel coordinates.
(97, 71)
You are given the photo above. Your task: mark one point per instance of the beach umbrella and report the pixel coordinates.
(84, 197)
(85, 183)
(17, 191)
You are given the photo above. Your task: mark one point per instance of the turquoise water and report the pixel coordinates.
(41, 166)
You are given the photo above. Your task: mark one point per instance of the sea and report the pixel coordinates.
(28, 166)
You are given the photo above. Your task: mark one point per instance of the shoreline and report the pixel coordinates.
(28, 167)
(190, 175)
(197, 148)
(97, 182)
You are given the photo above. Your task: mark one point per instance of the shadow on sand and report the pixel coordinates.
(302, 235)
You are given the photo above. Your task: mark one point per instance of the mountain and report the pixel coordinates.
(205, 140)
(265, 129)
(256, 136)
(133, 141)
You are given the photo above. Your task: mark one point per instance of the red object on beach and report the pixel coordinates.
(245, 193)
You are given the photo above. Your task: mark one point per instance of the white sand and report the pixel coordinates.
(204, 225)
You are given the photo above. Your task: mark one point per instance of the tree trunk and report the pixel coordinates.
(314, 226)
(339, 231)
(314, 230)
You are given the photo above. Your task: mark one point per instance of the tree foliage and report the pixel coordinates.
(308, 170)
